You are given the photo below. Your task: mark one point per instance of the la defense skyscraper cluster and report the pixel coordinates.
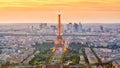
(59, 43)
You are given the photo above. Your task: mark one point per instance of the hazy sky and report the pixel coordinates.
(87, 11)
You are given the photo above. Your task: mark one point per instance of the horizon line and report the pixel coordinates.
(56, 23)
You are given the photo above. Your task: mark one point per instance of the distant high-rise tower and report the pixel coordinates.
(76, 27)
(70, 27)
(101, 28)
(32, 27)
(80, 27)
(59, 41)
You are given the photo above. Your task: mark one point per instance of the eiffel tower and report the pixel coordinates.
(59, 43)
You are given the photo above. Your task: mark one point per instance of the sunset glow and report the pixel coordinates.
(87, 11)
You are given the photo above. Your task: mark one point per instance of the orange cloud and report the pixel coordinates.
(73, 10)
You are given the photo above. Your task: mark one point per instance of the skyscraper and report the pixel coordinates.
(80, 27)
(75, 27)
(70, 27)
(101, 28)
